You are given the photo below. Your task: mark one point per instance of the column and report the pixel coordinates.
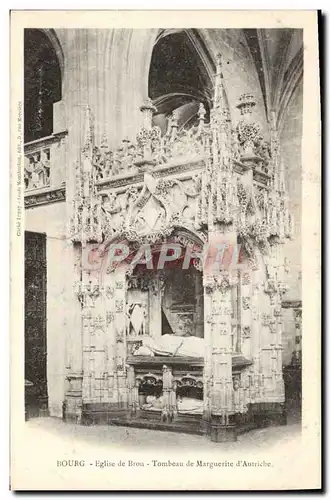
(74, 95)
(72, 405)
(296, 357)
(271, 353)
(199, 305)
(207, 371)
(82, 86)
(218, 359)
(117, 370)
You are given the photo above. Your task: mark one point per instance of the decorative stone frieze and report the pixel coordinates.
(34, 198)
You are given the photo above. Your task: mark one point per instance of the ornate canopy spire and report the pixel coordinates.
(89, 132)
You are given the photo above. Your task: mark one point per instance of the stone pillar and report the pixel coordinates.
(168, 394)
(271, 352)
(114, 292)
(83, 86)
(110, 340)
(72, 406)
(75, 94)
(275, 289)
(93, 326)
(257, 306)
(254, 302)
(207, 371)
(133, 397)
(218, 358)
(120, 332)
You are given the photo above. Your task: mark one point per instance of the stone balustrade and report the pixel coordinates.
(44, 161)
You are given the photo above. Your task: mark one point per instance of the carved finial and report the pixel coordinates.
(168, 133)
(175, 117)
(104, 141)
(201, 115)
(148, 109)
(201, 112)
(246, 104)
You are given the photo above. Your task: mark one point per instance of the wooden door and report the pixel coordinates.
(36, 398)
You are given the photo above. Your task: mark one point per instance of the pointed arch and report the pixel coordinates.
(53, 38)
(180, 75)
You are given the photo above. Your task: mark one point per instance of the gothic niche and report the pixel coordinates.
(164, 302)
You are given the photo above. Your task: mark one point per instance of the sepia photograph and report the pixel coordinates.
(162, 234)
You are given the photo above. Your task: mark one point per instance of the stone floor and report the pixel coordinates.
(58, 455)
(102, 435)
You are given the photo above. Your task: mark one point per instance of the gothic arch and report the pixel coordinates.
(180, 235)
(127, 61)
(180, 76)
(239, 71)
(179, 230)
(53, 38)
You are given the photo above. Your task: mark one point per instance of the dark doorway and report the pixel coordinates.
(36, 398)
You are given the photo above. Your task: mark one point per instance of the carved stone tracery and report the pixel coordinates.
(215, 195)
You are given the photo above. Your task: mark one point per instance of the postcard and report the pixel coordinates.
(165, 250)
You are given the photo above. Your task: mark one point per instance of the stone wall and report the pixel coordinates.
(50, 219)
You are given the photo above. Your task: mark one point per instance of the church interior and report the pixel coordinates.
(139, 137)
